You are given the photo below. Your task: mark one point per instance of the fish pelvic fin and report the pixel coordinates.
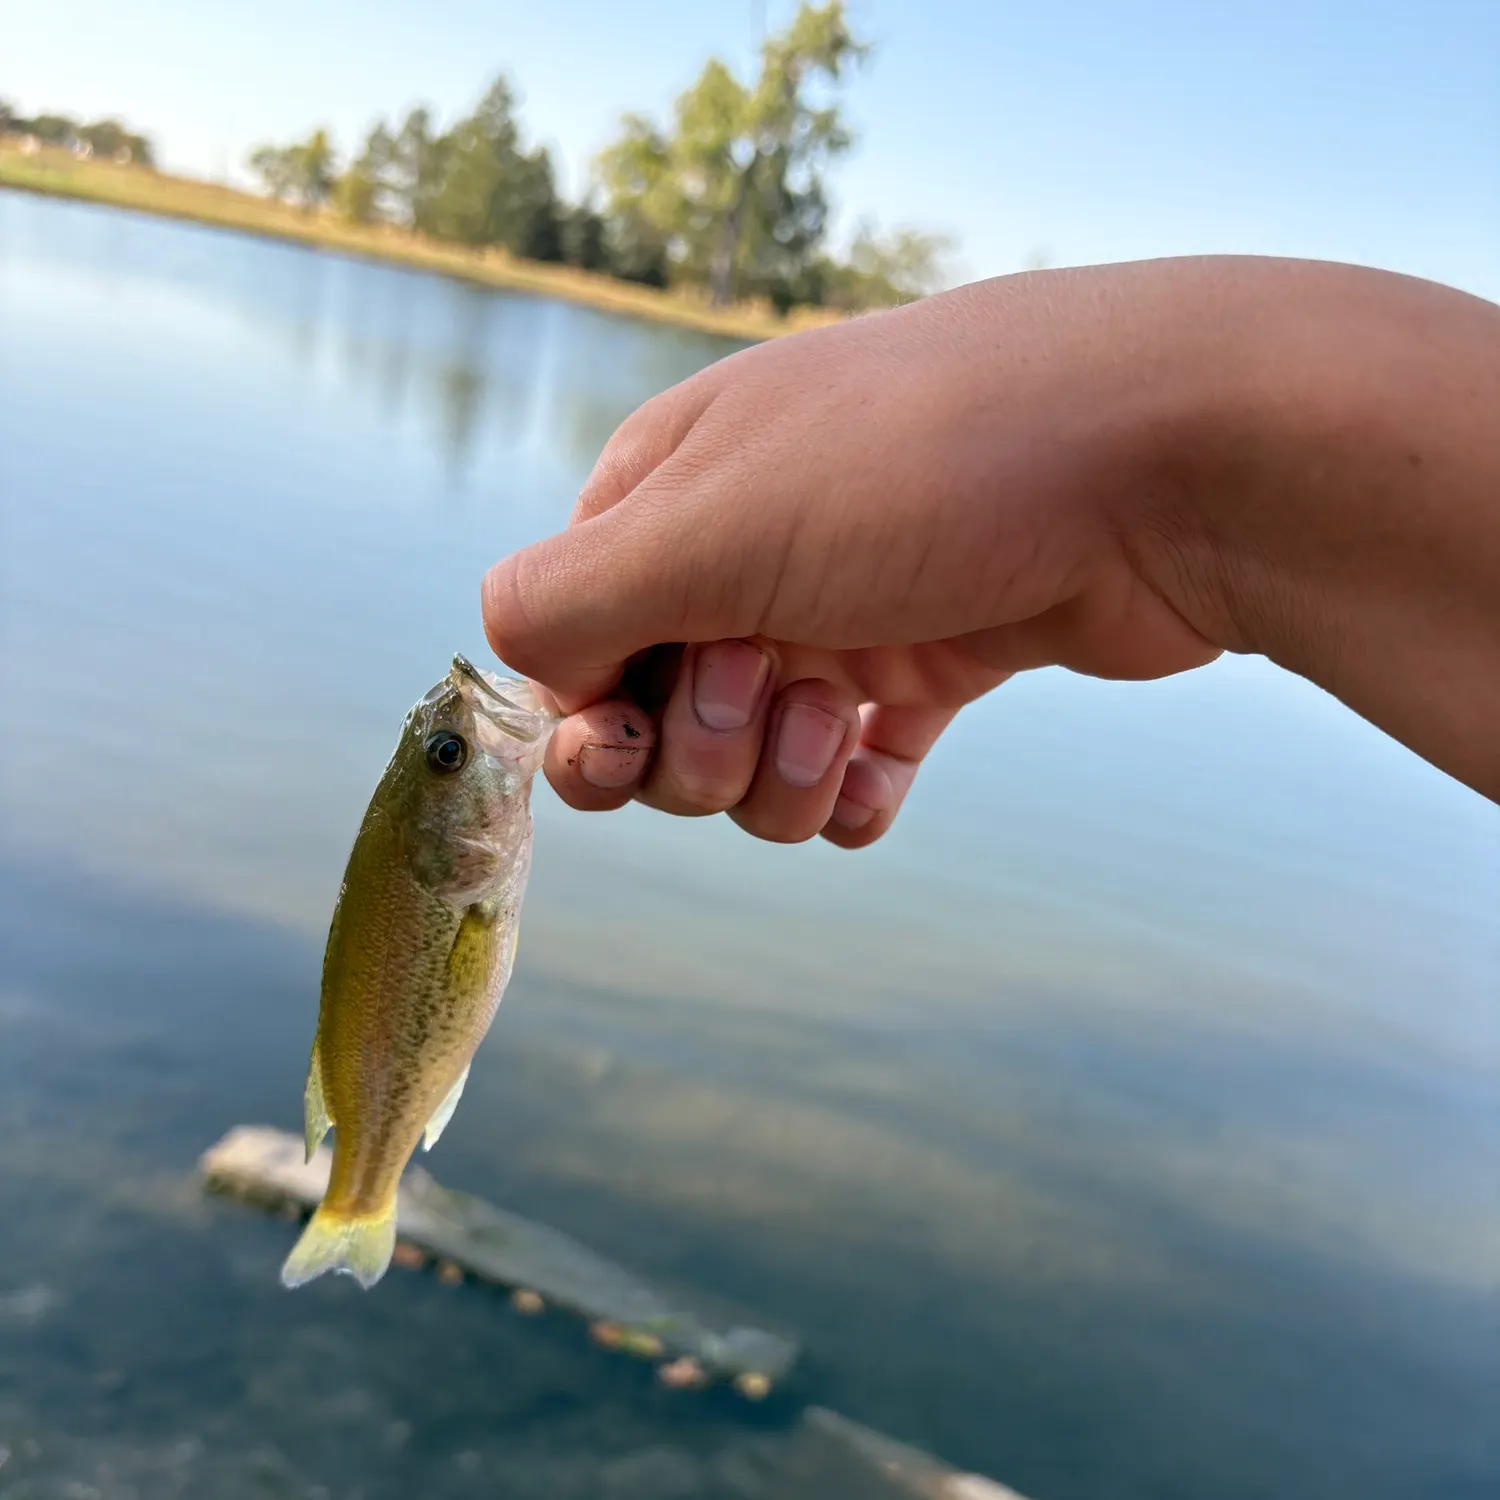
(444, 1112)
(356, 1245)
(316, 1120)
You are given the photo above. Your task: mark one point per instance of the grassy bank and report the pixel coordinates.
(60, 174)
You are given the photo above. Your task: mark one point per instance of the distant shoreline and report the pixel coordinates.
(58, 174)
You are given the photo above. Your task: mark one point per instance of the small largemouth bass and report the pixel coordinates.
(419, 953)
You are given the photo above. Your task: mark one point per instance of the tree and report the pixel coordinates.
(354, 196)
(109, 139)
(385, 181)
(736, 192)
(475, 184)
(641, 201)
(581, 232)
(487, 189)
(732, 196)
(479, 154)
(54, 130)
(303, 173)
(879, 272)
(901, 267)
(784, 141)
(531, 223)
(273, 165)
(314, 166)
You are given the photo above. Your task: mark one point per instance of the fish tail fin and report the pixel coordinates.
(316, 1120)
(358, 1245)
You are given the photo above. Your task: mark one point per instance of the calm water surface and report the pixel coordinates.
(1127, 1124)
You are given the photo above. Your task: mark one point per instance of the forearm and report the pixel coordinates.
(1330, 497)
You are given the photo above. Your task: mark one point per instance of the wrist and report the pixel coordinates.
(1325, 491)
(1286, 439)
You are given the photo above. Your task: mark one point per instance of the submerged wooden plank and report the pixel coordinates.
(831, 1456)
(265, 1166)
(825, 1455)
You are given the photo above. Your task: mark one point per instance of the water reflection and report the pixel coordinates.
(1125, 1124)
(463, 362)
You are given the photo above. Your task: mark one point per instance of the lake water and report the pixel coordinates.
(1126, 1124)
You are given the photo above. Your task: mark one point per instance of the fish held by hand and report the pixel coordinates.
(419, 953)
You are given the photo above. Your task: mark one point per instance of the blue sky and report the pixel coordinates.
(1084, 132)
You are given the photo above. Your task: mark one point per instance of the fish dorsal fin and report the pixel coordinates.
(444, 1112)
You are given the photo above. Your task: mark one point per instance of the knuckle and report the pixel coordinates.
(773, 828)
(702, 796)
(694, 790)
(642, 442)
(667, 802)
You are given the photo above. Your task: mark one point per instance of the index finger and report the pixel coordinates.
(649, 436)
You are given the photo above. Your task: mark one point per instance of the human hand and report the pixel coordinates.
(788, 573)
(847, 535)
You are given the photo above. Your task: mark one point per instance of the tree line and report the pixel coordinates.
(107, 139)
(728, 197)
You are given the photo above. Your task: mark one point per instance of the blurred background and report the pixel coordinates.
(1127, 1123)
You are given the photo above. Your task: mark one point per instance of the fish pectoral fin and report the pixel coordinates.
(468, 966)
(360, 1247)
(443, 1113)
(316, 1121)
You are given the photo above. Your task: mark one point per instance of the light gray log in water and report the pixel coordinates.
(826, 1457)
(263, 1165)
(829, 1456)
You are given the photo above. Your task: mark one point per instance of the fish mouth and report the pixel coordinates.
(510, 704)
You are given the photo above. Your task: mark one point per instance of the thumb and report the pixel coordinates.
(571, 610)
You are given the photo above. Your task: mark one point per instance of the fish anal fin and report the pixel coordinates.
(444, 1112)
(316, 1120)
(356, 1245)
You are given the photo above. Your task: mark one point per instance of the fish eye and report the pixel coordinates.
(446, 752)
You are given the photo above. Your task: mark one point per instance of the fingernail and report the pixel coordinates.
(727, 680)
(609, 767)
(850, 814)
(807, 740)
